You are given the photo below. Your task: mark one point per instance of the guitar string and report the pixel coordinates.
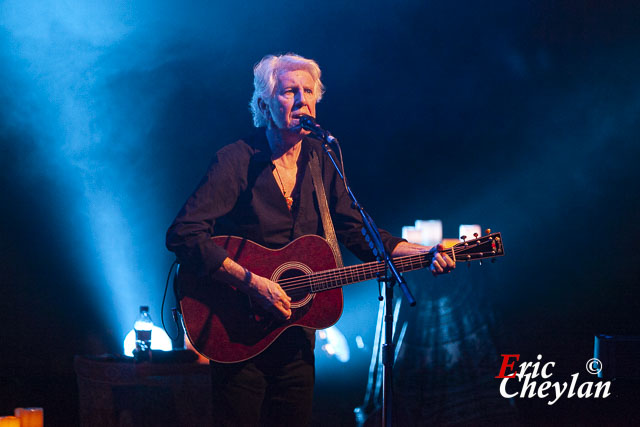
(317, 278)
(349, 272)
(308, 281)
(358, 269)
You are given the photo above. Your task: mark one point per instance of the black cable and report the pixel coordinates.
(164, 297)
(344, 176)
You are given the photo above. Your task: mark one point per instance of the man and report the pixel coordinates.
(260, 188)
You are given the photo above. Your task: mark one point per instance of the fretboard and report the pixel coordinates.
(331, 279)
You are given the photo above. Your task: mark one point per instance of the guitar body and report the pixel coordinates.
(223, 324)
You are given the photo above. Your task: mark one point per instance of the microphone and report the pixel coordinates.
(309, 123)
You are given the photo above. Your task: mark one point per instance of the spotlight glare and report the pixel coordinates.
(469, 230)
(334, 343)
(427, 233)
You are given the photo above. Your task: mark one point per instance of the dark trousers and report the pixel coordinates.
(274, 388)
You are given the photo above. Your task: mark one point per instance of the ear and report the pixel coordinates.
(264, 107)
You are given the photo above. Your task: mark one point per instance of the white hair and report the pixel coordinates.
(265, 78)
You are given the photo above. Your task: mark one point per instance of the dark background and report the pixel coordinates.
(519, 116)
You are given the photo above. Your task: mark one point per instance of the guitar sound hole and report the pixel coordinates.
(296, 289)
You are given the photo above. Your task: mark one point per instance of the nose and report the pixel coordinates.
(301, 98)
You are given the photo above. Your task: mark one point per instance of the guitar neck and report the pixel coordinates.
(489, 246)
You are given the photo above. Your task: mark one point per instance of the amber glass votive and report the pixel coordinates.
(30, 417)
(9, 421)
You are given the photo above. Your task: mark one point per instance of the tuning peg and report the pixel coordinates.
(475, 235)
(487, 231)
(463, 238)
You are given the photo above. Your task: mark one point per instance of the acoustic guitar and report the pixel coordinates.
(225, 326)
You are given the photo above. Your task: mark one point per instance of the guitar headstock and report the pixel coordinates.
(482, 247)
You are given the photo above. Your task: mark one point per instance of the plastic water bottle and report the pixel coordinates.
(143, 327)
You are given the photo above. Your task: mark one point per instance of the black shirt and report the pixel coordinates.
(239, 196)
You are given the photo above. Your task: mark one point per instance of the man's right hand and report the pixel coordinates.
(266, 293)
(271, 297)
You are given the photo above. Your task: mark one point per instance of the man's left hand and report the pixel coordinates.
(441, 262)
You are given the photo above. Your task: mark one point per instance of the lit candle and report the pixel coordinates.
(29, 417)
(9, 421)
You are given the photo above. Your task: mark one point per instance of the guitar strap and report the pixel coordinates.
(327, 224)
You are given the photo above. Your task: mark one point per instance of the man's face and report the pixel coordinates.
(294, 95)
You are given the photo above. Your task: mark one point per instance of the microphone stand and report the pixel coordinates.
(390, 278)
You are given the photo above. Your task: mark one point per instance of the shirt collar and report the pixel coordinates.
(262, 152)
(258, 141)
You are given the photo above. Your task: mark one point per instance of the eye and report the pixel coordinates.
(309, 91)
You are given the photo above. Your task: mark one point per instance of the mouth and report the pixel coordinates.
(295, 120)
